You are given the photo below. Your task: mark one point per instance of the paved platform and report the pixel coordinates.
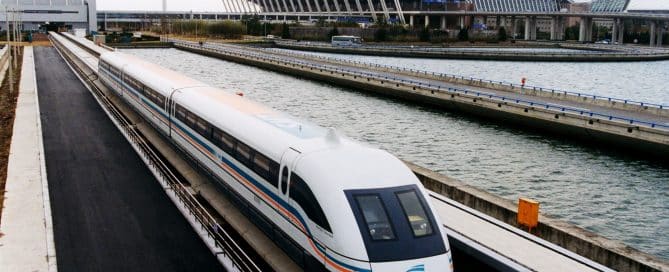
(109, 212)
(27, 241)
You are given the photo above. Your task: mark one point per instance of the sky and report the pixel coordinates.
(216, 5)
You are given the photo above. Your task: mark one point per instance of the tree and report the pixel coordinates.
(571, 33)
(463, 35)
(381, 34)
(424, 35)
(253, 26)
(333, 32)
(285, 31)
(501, 34)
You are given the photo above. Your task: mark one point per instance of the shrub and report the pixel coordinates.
(501, 34)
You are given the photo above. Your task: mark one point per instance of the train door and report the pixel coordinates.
(287, 165)
(171, 110)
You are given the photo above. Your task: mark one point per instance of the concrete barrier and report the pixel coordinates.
(613, 254)
(583, 57)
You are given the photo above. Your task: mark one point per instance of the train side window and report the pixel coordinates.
(274, 173)
(226, 142)
(303, 196)
(261, 166)
(203, 128)
(376, 217)
(216, 136)
(181, 113)
(190, 119)
(115, 71)
(160, 99)
(243, 153)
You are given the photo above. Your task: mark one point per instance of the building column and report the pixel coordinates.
(514, 27)
(614, 31)
(533, 29)
(653, 30)
(585, 30)
(443, 22)
(427, 20)
(554, 28)
(411, 20)
(660, 34)
(461, 22)
(621, 31)
(530, 28)
(498, 22)
(527, 28)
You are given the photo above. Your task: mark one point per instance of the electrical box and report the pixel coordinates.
(528, 212)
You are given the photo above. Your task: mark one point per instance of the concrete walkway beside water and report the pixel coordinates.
(27, 243)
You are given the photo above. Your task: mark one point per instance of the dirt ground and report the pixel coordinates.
(7, 108)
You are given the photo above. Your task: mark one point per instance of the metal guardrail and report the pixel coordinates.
(454, 51)
(474, 79)
(215, 231)
(230, 50)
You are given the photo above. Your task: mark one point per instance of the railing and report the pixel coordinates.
(474, 79)
(208, 224)
(432, 51)
(244, 53)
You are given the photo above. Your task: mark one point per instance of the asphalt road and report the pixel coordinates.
(109, 212)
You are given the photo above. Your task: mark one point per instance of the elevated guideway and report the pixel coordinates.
(502, 246)
(636, 127)
(492, 242)
(586, 54)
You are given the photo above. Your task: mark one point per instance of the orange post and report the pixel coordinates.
(528, 213)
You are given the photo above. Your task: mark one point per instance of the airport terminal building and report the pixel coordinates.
(50, 14)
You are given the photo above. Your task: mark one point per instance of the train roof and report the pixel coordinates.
(270, 131)
(155, 76)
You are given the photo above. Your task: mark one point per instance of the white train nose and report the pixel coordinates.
(439, 263)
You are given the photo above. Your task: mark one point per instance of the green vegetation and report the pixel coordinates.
(381, 34)
(463, 35)
(501, 34)
(333, 32)
(285, 31)
(424, 35)
(571, 33)
(225, 29)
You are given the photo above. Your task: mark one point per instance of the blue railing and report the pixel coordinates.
(243, 52)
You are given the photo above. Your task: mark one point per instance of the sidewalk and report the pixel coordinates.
(27, 241)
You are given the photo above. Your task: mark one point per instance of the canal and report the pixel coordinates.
(616, 196)
(640, 81)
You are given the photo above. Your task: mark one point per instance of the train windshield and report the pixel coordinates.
(415, 213)
(395, 223)
(376, 217)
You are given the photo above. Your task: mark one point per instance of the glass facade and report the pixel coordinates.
(516, 5)
(609, 5)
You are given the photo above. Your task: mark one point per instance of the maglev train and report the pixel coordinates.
(331, 203)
